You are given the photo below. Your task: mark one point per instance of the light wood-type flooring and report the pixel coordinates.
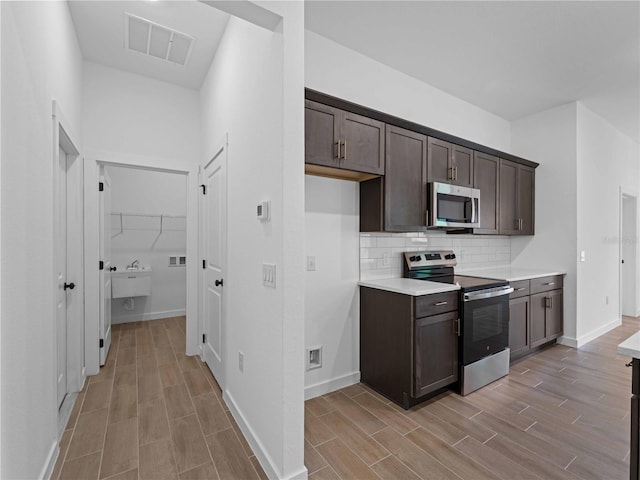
(560, 414)
(153, 413)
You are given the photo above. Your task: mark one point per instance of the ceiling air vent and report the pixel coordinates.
(149, 38)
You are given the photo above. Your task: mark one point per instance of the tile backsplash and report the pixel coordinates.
(381, 253)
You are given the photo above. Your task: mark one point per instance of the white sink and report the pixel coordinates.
(124, 270)
(131, 283)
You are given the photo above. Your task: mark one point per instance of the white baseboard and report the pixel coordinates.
(322, 388)
(258, 449)
(568, 341)
(50, 463)
(147, 316)
(592, 335)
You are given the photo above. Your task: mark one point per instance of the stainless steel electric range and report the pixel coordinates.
(483, 308)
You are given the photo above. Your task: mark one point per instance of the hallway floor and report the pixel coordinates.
(153, 413)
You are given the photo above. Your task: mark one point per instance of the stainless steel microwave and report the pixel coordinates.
(452, 206)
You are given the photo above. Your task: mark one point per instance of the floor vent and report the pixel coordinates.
(149, 38)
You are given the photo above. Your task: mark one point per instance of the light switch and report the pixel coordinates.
(311, 263)
(269, 275)
(583, 256)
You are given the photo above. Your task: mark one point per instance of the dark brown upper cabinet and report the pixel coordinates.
(517, 198)
(486, 174)
(338, 139)
(450, 163)
(405, 180)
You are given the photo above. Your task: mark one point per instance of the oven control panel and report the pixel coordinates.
(430, 258)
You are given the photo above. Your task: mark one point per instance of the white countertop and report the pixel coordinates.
(631, 346)
(409, 286)
(511, 274)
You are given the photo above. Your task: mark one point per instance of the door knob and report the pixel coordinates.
(113, 269)
(218, 283)
(70, 286)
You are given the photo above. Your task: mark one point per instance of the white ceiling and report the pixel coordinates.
(512, 58)
(100, 29)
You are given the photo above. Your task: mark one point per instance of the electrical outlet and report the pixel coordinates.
(241, 361)
(583, 256)
(311, 263)
(314, 357)
(386, 259)
(269, 275)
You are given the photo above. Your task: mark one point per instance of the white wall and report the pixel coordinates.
(136, 115)
(254, 91)
(139, 238)
(549, 138)
(584, 162)
(336, 70)
(607, 161)
(332, 308)
(41, 61)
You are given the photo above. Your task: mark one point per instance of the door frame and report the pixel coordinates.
(221, 149)
(626, 195)
(93, 159)
(64, 137)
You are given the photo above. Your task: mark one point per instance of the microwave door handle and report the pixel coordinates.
(474, 219)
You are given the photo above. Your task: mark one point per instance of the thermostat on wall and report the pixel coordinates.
(263, 211)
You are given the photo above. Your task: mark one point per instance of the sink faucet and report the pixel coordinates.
(134, 264)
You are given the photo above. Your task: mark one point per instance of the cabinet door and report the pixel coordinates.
(526, 199)
(538, 312)
(362, 144)
(436, 352)
(462, 163)
(439, 161)
(519, 326)
(508, 199)
(554, 315)
(320, 134)
(405, 180)
(485, 178)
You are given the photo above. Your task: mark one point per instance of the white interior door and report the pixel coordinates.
(213, 225)
(628, 253)
(61, 275)
(105, 272)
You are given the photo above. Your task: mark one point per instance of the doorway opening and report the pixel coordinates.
(143, 221)
(147, 239)
(68, 266)
(628, 255)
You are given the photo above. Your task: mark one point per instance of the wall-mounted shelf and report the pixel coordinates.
(122, 221)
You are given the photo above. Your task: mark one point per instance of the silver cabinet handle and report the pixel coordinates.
(439, 304)
(455, 173)
(344, 157)
(457, 326)
(450, 173)
(338, 143)
(519, 289)
(550, 283)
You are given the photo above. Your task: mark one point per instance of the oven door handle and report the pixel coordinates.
(469, 297)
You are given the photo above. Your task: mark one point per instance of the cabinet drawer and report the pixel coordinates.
(520, 288)
(544, 284)
(436, 303)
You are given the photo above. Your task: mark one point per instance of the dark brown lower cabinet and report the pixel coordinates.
(546, 317)
(519, 325)
(402, 356)
(436, 352)
(634, 460)
(535, 314)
